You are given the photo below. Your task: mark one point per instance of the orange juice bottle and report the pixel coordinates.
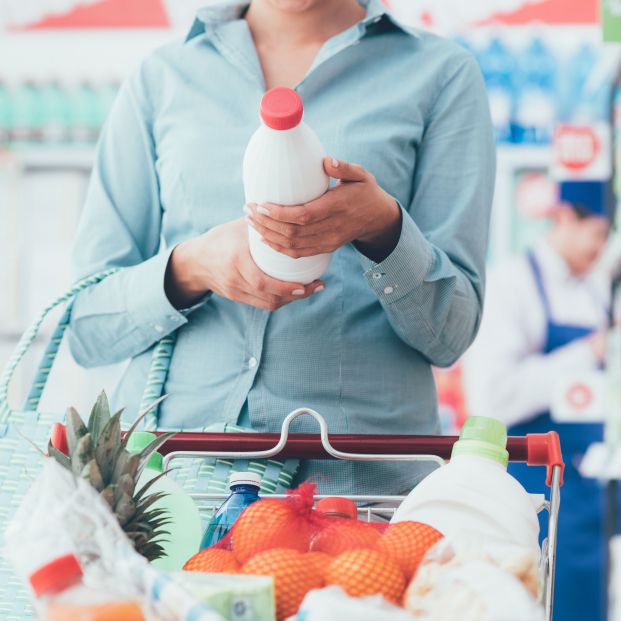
(63, 597)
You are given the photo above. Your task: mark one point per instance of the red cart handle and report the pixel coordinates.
(544, 449)
(534, 449)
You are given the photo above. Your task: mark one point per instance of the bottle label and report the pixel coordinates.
(241, 609)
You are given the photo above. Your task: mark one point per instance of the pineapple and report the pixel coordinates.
(97, 454)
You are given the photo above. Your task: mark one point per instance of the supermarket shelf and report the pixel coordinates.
(33, 158)
(514, 156)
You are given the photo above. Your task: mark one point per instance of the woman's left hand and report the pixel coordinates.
(356, 210)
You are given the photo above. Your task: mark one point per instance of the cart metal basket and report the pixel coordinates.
(533, 449)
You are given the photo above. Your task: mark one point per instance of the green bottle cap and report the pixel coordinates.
(485, 437)
(137, 441)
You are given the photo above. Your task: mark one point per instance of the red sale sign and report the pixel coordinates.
(582, 152)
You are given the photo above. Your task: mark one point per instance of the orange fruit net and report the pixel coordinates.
(407, 543)
(293, 577)
(367, 572)
(341, 535)
(270, 523)
(213, 560)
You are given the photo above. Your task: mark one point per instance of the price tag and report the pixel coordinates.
(580, 399)
(582, 152)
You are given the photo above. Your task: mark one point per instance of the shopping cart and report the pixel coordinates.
(534, 449)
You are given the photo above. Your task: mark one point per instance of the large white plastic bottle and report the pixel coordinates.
(185, 528)
(283, 164)
(474, 494)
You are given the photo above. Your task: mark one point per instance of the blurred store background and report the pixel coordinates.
(61, 62)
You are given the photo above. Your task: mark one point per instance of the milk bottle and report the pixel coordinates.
(283, 164)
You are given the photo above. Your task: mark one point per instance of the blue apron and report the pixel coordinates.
(580, 587)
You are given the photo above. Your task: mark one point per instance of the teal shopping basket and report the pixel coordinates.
(20, 463)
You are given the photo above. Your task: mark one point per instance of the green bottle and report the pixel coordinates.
(185, 529)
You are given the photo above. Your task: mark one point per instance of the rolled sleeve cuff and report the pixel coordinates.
(147, 302)
(405, 268)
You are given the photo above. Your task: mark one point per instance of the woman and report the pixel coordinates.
(408, 224)
(545, 319)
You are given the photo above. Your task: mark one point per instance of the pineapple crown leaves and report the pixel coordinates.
(98, 454)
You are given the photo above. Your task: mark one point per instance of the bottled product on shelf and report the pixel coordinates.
(244, 488)
(283, 164)
(61, 595)
(498, 68)
(184, 527)
(535, 106)
(54, 111)
(572, 84)
(474, 495)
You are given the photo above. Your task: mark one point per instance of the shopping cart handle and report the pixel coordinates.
(544, 449)
(534, 449)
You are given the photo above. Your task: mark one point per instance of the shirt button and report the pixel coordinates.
(173, 318)
(388, 290)
(158, 328)
(377, 275)
(252, 362)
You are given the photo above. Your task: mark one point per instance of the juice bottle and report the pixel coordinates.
(63, 597)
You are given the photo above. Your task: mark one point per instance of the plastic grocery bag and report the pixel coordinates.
(470, 579)
(62, 514)
(333, 604)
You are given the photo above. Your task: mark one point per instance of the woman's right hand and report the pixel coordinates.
(220, 261)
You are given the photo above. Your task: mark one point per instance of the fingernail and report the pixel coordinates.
(249, 221)
(264, 211)
(320, 288)
(335, 162)
(247, 210)
(298, 292)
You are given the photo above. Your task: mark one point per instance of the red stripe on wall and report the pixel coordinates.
(108, 14)
(551, 12)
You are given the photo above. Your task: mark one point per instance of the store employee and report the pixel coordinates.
(408, 224)
(546, 315)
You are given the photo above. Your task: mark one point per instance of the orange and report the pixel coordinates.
(320, 560)
(342, 535)
(407, 543)
(213, 560)
(367, 572)
(293, 577)
(268, 524)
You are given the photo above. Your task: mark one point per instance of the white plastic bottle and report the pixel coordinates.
(283, 164)
(185, 529)
(474, 494)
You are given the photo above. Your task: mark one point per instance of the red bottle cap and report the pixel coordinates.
(342, 507)
(56, 576)
(281, 108)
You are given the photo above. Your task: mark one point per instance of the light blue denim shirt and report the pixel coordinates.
(407, 105)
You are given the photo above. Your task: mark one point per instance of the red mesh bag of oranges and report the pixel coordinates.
(305, 548)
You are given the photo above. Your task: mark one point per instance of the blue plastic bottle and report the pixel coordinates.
(244, 488)
(498, 67)
(535, 112)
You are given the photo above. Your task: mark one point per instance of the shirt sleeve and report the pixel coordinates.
(121, 227)
(506, 375)
(431, 285)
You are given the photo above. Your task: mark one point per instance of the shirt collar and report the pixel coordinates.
(210, 16)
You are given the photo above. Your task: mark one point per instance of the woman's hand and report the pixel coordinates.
(220, 261)
(356, 210)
